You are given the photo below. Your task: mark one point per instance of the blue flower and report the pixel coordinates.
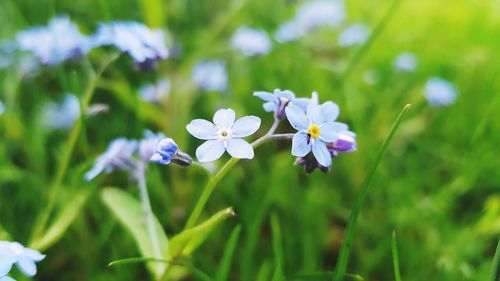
(210, 75)
(405, 62)
(278, 100)
(63, 115)
(355, 34)
(59, 41)
(440, 92)
(316, 128)
(309, 16)
(118, 155)
(143, 44)
(251, 42)
(24, 258)
(164, 151)
(224, 134)
(155, 92)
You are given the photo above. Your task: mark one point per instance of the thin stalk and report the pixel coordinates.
(70, 146)
(495, 267)
(395, 257)
(351, 225)
(147, 210)
(215, 179)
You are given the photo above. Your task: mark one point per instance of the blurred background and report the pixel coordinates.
(438, 186)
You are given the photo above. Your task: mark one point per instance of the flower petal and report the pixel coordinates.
(301, 102)
(26, 266)
(224, 118)
(314, 114)
(33, 254)
(330, 131)
(239, 148)
(202, 129)
(6, 262)
(245, 126)
(270, 106)
(321, 153)
(264, 95)
(210, 150)
(7, 278)
(300, 145)
(330, 111)
(286, 94)
(297, 117)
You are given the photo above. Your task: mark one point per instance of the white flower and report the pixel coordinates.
(224, 134)
(440, 92)
(405, 62)
(14, 253)
(251, 42)
(355, 34)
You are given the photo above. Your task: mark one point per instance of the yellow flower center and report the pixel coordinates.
(313, 131)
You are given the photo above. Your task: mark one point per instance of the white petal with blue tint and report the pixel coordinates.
(27, 266)
(239, 148)
(300, 145)
(202, 129)
(297, 117)
(301, 102)
(270, 106)
(210, 150)
(7, 278)
(6, 262)
(264, 95)
(321, 153)
(330, 111)
(330, 131)
(245, 126)
(33, 254)
(224, 118)
(314, 113)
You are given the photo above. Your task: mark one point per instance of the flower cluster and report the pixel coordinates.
(152, 148)
(13, 253)
(61, 40)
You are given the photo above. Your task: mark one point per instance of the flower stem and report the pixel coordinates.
(70, 145)
(215, 179)
(341, 267)
(147, 210)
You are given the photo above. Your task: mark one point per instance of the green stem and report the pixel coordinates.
(351, 225)
(395, 257)
(215, 179)
(66, 156)
(495, 267)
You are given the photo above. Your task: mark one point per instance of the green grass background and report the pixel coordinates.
(438, 186)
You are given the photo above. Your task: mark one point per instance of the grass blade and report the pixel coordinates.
(495, 268)
(395, 257)
(351, 225)
(225, 265)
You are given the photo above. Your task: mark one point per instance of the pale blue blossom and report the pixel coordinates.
(118, 155)
(164, 151)
(355, 34)
(224, 134)
(147, 145)
(309, 16)
(278, 100)
(155, 92)
(2, 108)
(57, 42)
(440, 92)
(13, 253)
(316, 128)
(61, 115)
(143, 44)
(210, 75)
(405, 62)
(251, 42)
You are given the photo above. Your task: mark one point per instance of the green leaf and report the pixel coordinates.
(130, 214)
(187, 241)
(225, 264)
(278, 273)
(395, 257)
(67, 215)
(153, 12)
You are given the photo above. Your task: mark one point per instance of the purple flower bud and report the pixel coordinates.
(346, 142)
(164, 151)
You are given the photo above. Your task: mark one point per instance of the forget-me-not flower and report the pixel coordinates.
(63, 115)
(405, 62)
(355, 34)
(118, 155)
(224, 134)
(309, 16)
(24, 258)
(155, 92)
(143, 44)
(210, 75)
(59, 41)
(251, 42)
(315, 128)
(440, 92)
(164, 151)
(278, 100)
